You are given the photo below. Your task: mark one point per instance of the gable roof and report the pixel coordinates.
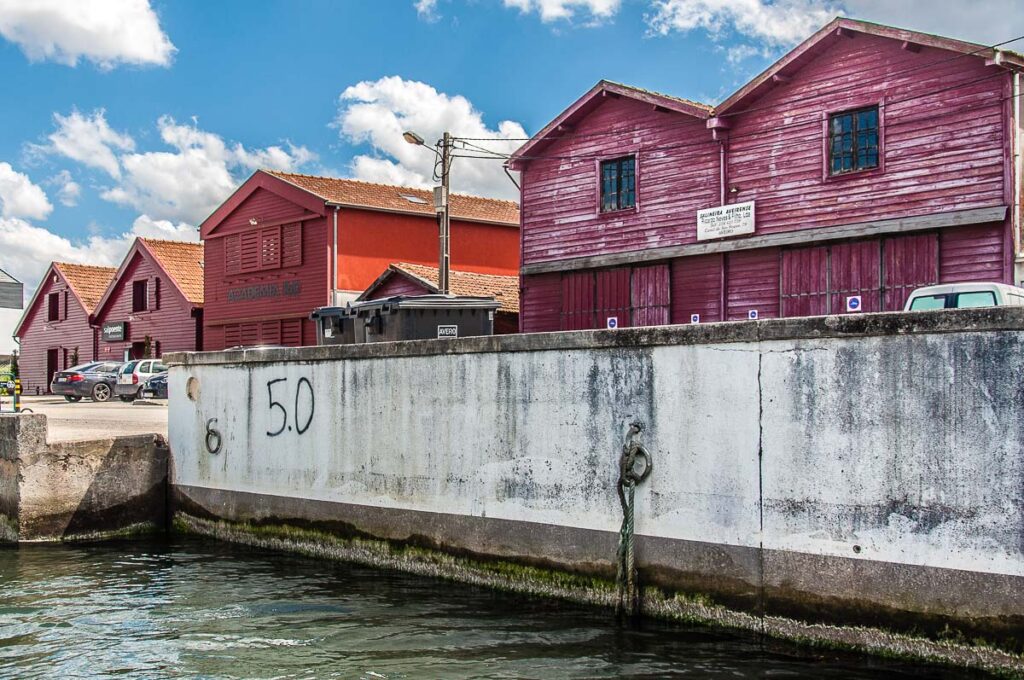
(504, 289)
(358, 194)
(183, 263)
(833, 31)
(7, 278)
(179, 261)
(86, 282)
(593, 97)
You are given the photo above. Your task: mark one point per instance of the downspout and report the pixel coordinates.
(721, 171)
(1018, 170)
(334, 257)
(720, 133)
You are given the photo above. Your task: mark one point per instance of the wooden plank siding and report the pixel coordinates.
(241, 318)
(65, 335)
(168, 321)
(923, 216)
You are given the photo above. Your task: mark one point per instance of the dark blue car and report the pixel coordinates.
(155, 387)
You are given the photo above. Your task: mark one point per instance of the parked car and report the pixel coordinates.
(964, 295)
(134, 375)
(95, 380)
(155, 387)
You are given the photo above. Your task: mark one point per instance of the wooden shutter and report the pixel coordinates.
(856, 269)
(233, 255)
(291, 245)
(908, 262)
(250, 333)
(697, 288)
(805, 281)
(250, 258)
(613, 297)
(155, 304)
(291, 332)
(270, 333)
(270, 248)
(577, 301)
(232, 335)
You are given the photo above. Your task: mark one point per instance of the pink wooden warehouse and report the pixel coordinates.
(866, 162)
(55, 332)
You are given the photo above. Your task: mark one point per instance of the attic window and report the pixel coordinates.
(618, 184)
(853, 140)
(414, 199)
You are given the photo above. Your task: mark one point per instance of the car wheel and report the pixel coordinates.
(73, 399)
(101, 392)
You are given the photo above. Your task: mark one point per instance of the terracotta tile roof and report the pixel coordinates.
(87, 281)
(504, 289)
(402, 199)
(183, 262)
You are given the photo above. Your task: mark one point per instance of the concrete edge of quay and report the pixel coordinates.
(762, 330)
(512, 577)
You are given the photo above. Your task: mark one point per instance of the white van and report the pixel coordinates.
(964, 295)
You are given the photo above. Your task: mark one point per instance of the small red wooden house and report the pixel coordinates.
(55, 331)
(284, 244)
(866, 162)
(154, 302)
(402, 278)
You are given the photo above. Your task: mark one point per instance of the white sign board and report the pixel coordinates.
(725, 220)
(447, 331)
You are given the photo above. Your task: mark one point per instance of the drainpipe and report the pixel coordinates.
(1018, 170)
(719, 132)
(334, 257)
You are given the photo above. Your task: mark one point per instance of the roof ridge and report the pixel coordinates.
(148, 239)
(278, 173)
(63, 263)
(709, 107)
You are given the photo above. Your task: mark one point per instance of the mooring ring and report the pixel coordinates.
(638, 451)
(212, 434)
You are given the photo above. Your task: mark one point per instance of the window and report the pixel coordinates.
(853, 140)
(53, 307)
(927, 302)
(618, 184)
(140, 303)
(983, 298)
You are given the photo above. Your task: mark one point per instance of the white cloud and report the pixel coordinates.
(188, 183)
(377, 112)
(778, 23)
(986, 21)
(88, 139)
(555, 10)
(68, 190)
(105, 32)
(20, 197)
(147, 227)
(427, 9)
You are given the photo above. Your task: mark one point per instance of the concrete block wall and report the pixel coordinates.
(860, 469)
(77, 490)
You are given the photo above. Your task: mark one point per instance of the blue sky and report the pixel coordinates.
(139, 117)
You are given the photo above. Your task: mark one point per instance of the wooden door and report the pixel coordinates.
(51, 366)
(613, 297)
(856, 269)
(909, 262)
(649, 295)
(805, 281)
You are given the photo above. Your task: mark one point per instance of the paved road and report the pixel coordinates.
(89, 420)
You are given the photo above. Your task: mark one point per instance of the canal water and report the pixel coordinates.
(200, 609)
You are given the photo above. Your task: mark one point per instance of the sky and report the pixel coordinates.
(125, 118)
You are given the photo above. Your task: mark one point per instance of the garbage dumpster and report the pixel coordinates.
(405, 317)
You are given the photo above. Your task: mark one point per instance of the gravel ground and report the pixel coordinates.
(90, 420)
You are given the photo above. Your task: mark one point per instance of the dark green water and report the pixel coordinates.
(190, 608)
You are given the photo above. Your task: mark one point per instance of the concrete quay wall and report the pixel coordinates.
(855, 470)
(78, 490)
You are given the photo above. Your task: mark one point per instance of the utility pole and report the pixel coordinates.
(444, 256)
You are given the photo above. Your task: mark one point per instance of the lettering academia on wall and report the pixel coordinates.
(266, 290)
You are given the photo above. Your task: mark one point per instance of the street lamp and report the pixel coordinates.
(441, 206)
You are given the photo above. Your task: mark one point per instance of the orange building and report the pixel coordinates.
(284, 244)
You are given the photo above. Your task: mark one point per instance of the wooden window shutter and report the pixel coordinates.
(233, 255)
(64, 309)
(291, 332)
(250, 258)
(291, 245)
(232, 335)
(156, 294)
(270, 248)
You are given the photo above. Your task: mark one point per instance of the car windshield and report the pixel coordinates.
(981, 298)
(928, 302)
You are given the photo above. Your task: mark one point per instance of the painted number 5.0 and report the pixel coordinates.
(304, 406)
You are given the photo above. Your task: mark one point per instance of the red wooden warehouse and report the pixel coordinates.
(154, 304)
(866, 162)
(283, 243)
(55, 331)
(403, 278)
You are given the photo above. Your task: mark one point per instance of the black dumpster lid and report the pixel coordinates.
(433, 301)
